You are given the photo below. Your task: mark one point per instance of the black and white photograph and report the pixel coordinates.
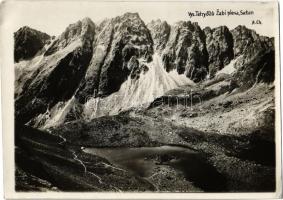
(145, 97)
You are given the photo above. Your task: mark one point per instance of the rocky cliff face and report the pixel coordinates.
(160, 32)
(197, 53)
(82, 30)
(119, 48)
(219, 45)
(186, 52)
(56, 75)
(89, 61)
(256, 57)
(245, 38)
(28, 42)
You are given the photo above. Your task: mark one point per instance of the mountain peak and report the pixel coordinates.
(76, 28)
(25, 28)
(160, 31)
(29, 29)
(241, 27)
(83, 29)
(130, 18)
(243, 39)
(28, 42)
(87, 20)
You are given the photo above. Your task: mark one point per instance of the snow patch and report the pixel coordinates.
(228, 69)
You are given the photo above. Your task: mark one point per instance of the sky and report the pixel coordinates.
(53, 17)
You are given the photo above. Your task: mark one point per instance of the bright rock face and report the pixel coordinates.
(94, 70)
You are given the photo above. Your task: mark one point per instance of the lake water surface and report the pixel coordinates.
(143, 161)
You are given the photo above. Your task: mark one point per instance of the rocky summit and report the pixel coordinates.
(29, 42)
(117, 50)
(122, 105)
